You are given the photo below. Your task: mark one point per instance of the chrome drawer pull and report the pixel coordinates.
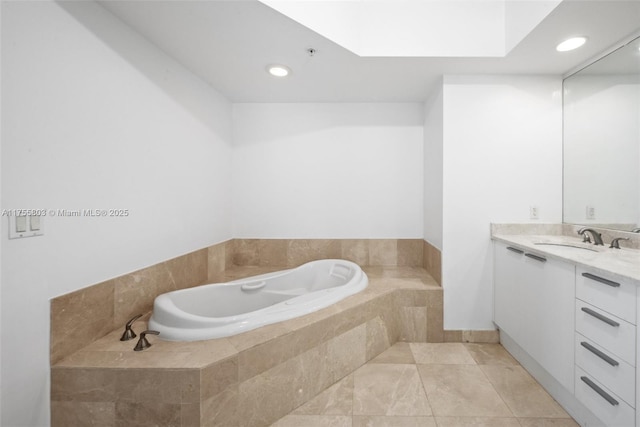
(516, 250)
(601, 280)
(600, 317)
(600, 354)
(536, 257)
(600, 391)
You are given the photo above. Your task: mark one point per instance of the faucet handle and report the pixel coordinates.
(585, 236)
(143, 342)
(128, 332)
(615, 243)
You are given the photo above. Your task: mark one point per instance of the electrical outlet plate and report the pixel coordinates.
(591, 212)
(533, 212)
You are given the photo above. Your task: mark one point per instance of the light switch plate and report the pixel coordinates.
(29, 221)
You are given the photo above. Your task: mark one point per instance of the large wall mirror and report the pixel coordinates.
(602, 142)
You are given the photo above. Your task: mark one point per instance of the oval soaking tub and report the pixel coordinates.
(225, 309)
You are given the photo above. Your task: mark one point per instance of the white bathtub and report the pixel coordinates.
(225, 309)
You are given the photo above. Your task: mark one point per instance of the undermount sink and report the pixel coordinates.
(566, 245)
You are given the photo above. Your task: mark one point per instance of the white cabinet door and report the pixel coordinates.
(534, 299)
(507, 287)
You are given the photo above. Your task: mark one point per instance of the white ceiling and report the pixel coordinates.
(229, 43)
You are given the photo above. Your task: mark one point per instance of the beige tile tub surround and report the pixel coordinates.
(83, 316)
(251, 379)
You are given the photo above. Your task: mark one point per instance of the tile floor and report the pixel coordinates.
(434, 385)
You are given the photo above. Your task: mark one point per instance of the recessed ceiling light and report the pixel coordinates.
(570, 44)
(278, 70)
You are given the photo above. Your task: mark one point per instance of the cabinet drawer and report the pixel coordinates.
(606, 368)
(617, 297)
(612, 412)
(608, 331)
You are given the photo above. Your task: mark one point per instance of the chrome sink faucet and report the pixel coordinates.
(597, 237)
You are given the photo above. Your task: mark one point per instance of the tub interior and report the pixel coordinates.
(256, 293)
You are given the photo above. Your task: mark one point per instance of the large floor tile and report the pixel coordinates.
(461, 390)
(490, 354)
(336, 400)
(386, 389)
(313, 421)
(548, 422)
(524, 396)
(441, 354)
(383, 421)
(476, 422)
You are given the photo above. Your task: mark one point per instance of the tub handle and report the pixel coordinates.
(253, 286)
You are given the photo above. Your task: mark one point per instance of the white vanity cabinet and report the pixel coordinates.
(534, 298)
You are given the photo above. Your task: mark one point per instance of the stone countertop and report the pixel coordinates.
(622, 263)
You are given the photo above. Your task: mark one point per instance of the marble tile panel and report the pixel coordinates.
(135, 292)
(413, 324)
(452, 336)
(245, 252)
(356, 250)
(383, 252)
(398, 272)
(262, 335)
(387, 389)
(378, 337)
(435, 298)
(490, 336)
(216, 262)
(300, 251)
(432, 261)
(82, 385)
(461, 390)
(411, 297)
(441, 354)
(313, 421)
(476, 422)
(221, 410)
(269, 396)
(490, 354)
(345, 353)
(399, 353)
(158, 385)
(94, 414)
(384, 421)
(188, 270)
(190, 414)
(79, 318)
(215, 378)
(139, 414)
(435, 322)
(260, 252)
(410, 252)
(260, 358)
(524, 396)
(548, 422)
(336, 400)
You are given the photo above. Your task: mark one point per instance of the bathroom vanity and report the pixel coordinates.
(567, 310)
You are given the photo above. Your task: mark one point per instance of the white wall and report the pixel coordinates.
(433, 162)
(328, 170)
(502, 154)
(95, 117)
